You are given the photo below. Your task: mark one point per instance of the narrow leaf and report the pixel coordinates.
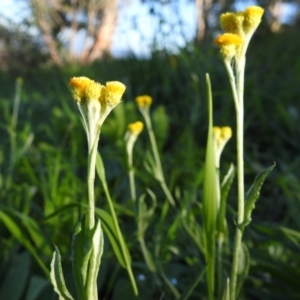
(210, 197)
(61, 210)
(15, 280)
(107, 224)
(210, 175)
(19, 235)
(94, 261)
(36, 285)
(57, 277)
(226, 294)
(244, 266)
(225, 188)
(253, 193)
(194, 284)
(119, 236)
(32, 227)
(77, 256)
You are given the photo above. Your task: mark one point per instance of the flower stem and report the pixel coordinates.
(131, 174)
(161, 177)
(91, 180)
(240, 70)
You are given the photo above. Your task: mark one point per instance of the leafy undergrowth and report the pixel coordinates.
(43, 168)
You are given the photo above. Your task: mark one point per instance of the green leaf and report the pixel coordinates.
(32, 227)
(36, 286)
(100, 169)
(225, 188)
(210, 175)
(17, 232)
(78, 240)
(194, 284)
(57, 277)
(161, 125)
(226, 293)
(253, 194)
(94, 261)
(15, 280)
(243, 268)
(115, 225)
(108, 226)
(211, 190)
(61, 210)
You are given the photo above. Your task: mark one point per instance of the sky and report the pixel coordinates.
(137, 30)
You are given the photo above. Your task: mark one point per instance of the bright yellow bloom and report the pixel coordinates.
(232, 22)
(143, 101)
(228, 43)
(221, 137)
(217, 133)
(114, 91)
(222, 134)
(95, 101)
(85, 89)
(226, 133)
(252, 17)
(136, 128)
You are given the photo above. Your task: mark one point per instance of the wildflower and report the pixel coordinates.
(143, 101)
(252, 18)
(113, 92)
(221, 137)
(95, 102)
(228, 43)
(232, 22)
(136, 128)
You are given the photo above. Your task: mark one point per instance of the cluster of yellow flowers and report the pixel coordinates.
(85, 89)
(239, 28)
(95, 101)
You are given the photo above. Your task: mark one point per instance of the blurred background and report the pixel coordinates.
(164, 49)
(85, 31)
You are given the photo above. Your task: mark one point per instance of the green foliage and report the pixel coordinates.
(40, 206)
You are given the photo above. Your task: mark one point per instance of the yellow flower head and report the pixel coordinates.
(232, 22)
(136, 128)
(85, 89)
(222, 134)
(221, 137)
(228, 43)
(252, 17)
(95, 102)
(143, 101)
(217, 132)
(226, 133)
(113, 92)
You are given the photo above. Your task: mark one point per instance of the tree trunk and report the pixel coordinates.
(203, 8)
(103, 34)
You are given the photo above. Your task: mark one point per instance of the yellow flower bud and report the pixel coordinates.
(217, 133)
(228, 43)
(114, 91)
(232, 22)
(252, 17)
(226, 133)
(136, 128)
(221, 137)
(143, 101)
(85, 89)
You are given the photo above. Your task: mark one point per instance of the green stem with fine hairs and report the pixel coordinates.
(161, 178)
